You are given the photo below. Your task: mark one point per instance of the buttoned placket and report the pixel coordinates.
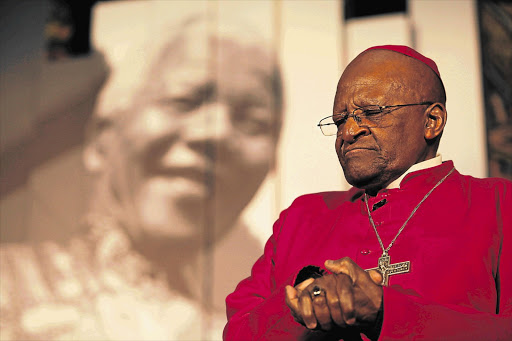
(370, 250)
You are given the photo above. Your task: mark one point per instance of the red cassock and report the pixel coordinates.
(459, 244)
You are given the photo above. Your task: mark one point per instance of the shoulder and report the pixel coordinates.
(490, 186)
(316, 208)
(491, 197)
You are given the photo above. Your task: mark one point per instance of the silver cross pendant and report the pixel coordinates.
(386, 269)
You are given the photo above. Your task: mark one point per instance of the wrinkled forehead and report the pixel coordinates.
(227, 61)
(231, 55)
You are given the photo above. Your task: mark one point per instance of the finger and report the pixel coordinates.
(375, 276)
(303, 285)
(306, 311)
(333, 302)
(359, 277)
(321, 311)
(292, 298)
(373, 288)
(344, 265)
(345, 291)
(292, 301)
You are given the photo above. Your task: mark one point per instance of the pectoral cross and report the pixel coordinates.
(387, 269)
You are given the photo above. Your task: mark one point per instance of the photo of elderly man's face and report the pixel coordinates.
(198, 137)
(179, 139)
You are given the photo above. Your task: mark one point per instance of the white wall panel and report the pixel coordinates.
(447, 32)
(310, 55)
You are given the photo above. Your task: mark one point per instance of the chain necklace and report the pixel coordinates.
(384, 266)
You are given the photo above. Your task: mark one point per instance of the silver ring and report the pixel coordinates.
(316, 291)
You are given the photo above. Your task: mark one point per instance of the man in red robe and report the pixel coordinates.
(414, 250)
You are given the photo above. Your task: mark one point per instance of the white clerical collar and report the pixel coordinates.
(435, 161)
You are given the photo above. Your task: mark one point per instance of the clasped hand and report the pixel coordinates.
(349, 296)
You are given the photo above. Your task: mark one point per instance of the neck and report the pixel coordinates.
(431, 162)
(182, 261)
(395, 181)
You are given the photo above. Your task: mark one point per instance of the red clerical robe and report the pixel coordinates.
(459, 244)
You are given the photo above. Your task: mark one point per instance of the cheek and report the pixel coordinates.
(150, 124)
(337, 145)
(125, 165)
(250, 153)
(403, 149)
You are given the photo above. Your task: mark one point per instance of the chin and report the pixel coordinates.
(164, 220)
(359, 183)
(164, 240)
(364, 179)
(358, 175)
(167, 232)
(364, 173)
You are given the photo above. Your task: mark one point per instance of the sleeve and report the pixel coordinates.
(410, 317)
(256, 309)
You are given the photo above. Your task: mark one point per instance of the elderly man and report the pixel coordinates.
(436, 245)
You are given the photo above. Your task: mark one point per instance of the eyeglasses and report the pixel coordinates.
(368, 117)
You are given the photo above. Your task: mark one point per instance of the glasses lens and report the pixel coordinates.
(370, 116)
(328, 127)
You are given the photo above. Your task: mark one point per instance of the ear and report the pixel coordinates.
(435, 120)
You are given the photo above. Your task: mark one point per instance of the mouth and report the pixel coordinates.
(350, 150)
(194, 174)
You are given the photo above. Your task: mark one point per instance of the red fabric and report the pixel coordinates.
(459, 243)
(409, 52)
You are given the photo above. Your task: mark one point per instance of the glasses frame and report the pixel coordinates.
(357, 117)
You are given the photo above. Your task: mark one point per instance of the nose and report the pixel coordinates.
(351, 130)
(210, 122)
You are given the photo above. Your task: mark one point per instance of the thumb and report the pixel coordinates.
(336, 267)
(375, 276)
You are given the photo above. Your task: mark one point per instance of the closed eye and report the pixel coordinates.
(340, 119)
(372, 111)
